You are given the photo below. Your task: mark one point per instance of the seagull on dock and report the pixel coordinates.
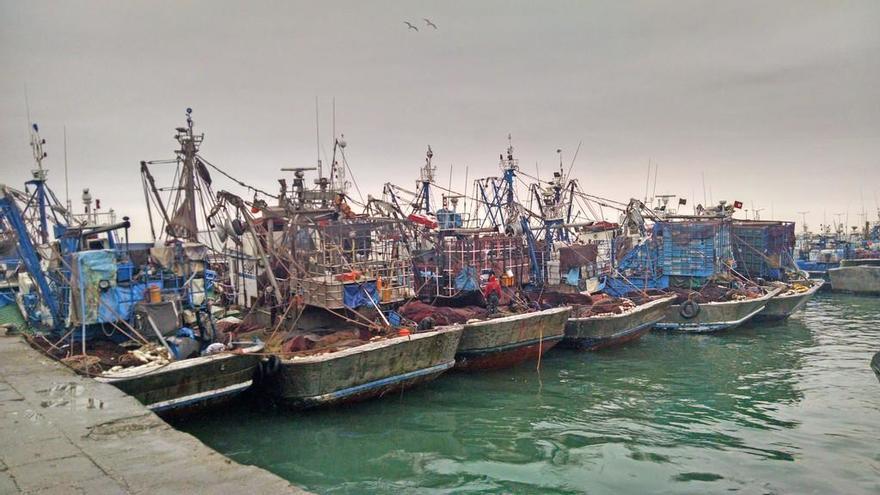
(410, 25)
(428, 22)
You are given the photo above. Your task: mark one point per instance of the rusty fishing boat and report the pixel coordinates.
(576, 245)
(471, 269)
(764, 252)
(691, 256)
(326, 286)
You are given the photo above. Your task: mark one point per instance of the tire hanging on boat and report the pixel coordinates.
(689, 309)
(266, 368)
(272, 366)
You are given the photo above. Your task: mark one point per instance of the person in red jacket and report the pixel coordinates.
(492, 293)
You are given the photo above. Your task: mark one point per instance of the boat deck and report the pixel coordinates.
(63, 433)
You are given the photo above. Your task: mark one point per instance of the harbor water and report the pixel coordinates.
(773, 408)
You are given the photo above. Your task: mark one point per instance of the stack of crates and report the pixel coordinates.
(763, 249)
(691, 251)
(680, 253)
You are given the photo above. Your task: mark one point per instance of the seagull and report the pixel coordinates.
(410, 25)
(428, 22)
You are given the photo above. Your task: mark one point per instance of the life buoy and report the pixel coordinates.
(689, 309)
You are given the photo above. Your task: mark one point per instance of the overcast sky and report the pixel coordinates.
(777, 103)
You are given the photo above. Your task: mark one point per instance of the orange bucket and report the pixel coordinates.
(404, 332)
(155, 294)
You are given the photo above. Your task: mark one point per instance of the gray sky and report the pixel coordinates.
(775, 102)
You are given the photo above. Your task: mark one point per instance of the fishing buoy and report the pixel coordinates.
(404, 332)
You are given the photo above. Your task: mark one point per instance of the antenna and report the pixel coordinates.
(647, 181)
(450, 176)
(464, 203)
(567, 175)
(318, 140)
(703, 174)
(803, 215)
(27, 106)
(67, 202)
(654, 191)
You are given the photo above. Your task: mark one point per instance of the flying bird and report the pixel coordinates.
(428, 22)
(410, 25)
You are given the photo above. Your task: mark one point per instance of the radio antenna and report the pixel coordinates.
(318, 141)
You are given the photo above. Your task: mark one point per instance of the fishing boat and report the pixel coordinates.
(875, 364)
(166, 386)
(329, 282)
(603, 322)
(469, 270)
(503, 341)
(764, 252)
(715, 316)
(792, 297)
(137, 316)
(373, 369)
(856, 276)
(506, 337)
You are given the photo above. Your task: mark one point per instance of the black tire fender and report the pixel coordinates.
(272, 366)
(689, 309)
(259, 373)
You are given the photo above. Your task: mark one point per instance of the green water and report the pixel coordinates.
(786, 408)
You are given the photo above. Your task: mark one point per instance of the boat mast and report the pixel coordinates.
(184, 223)
(39, 180)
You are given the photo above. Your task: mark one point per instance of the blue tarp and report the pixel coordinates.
(92, 270)
(467, 279)
(573, 277)
(122, 300)
(357, 295)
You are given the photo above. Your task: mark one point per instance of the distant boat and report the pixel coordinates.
(856, 276)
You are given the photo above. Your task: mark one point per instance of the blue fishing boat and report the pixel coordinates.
(132, 315)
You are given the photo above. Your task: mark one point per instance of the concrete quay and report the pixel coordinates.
(67, 434)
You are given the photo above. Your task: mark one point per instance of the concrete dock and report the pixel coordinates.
(64, 433)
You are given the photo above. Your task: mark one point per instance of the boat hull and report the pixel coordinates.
(856, 279)
(364, 372)
(601, 332)
(715, 316)
(875, 364)
(781, 306)
(190, 384)
(511, 340)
